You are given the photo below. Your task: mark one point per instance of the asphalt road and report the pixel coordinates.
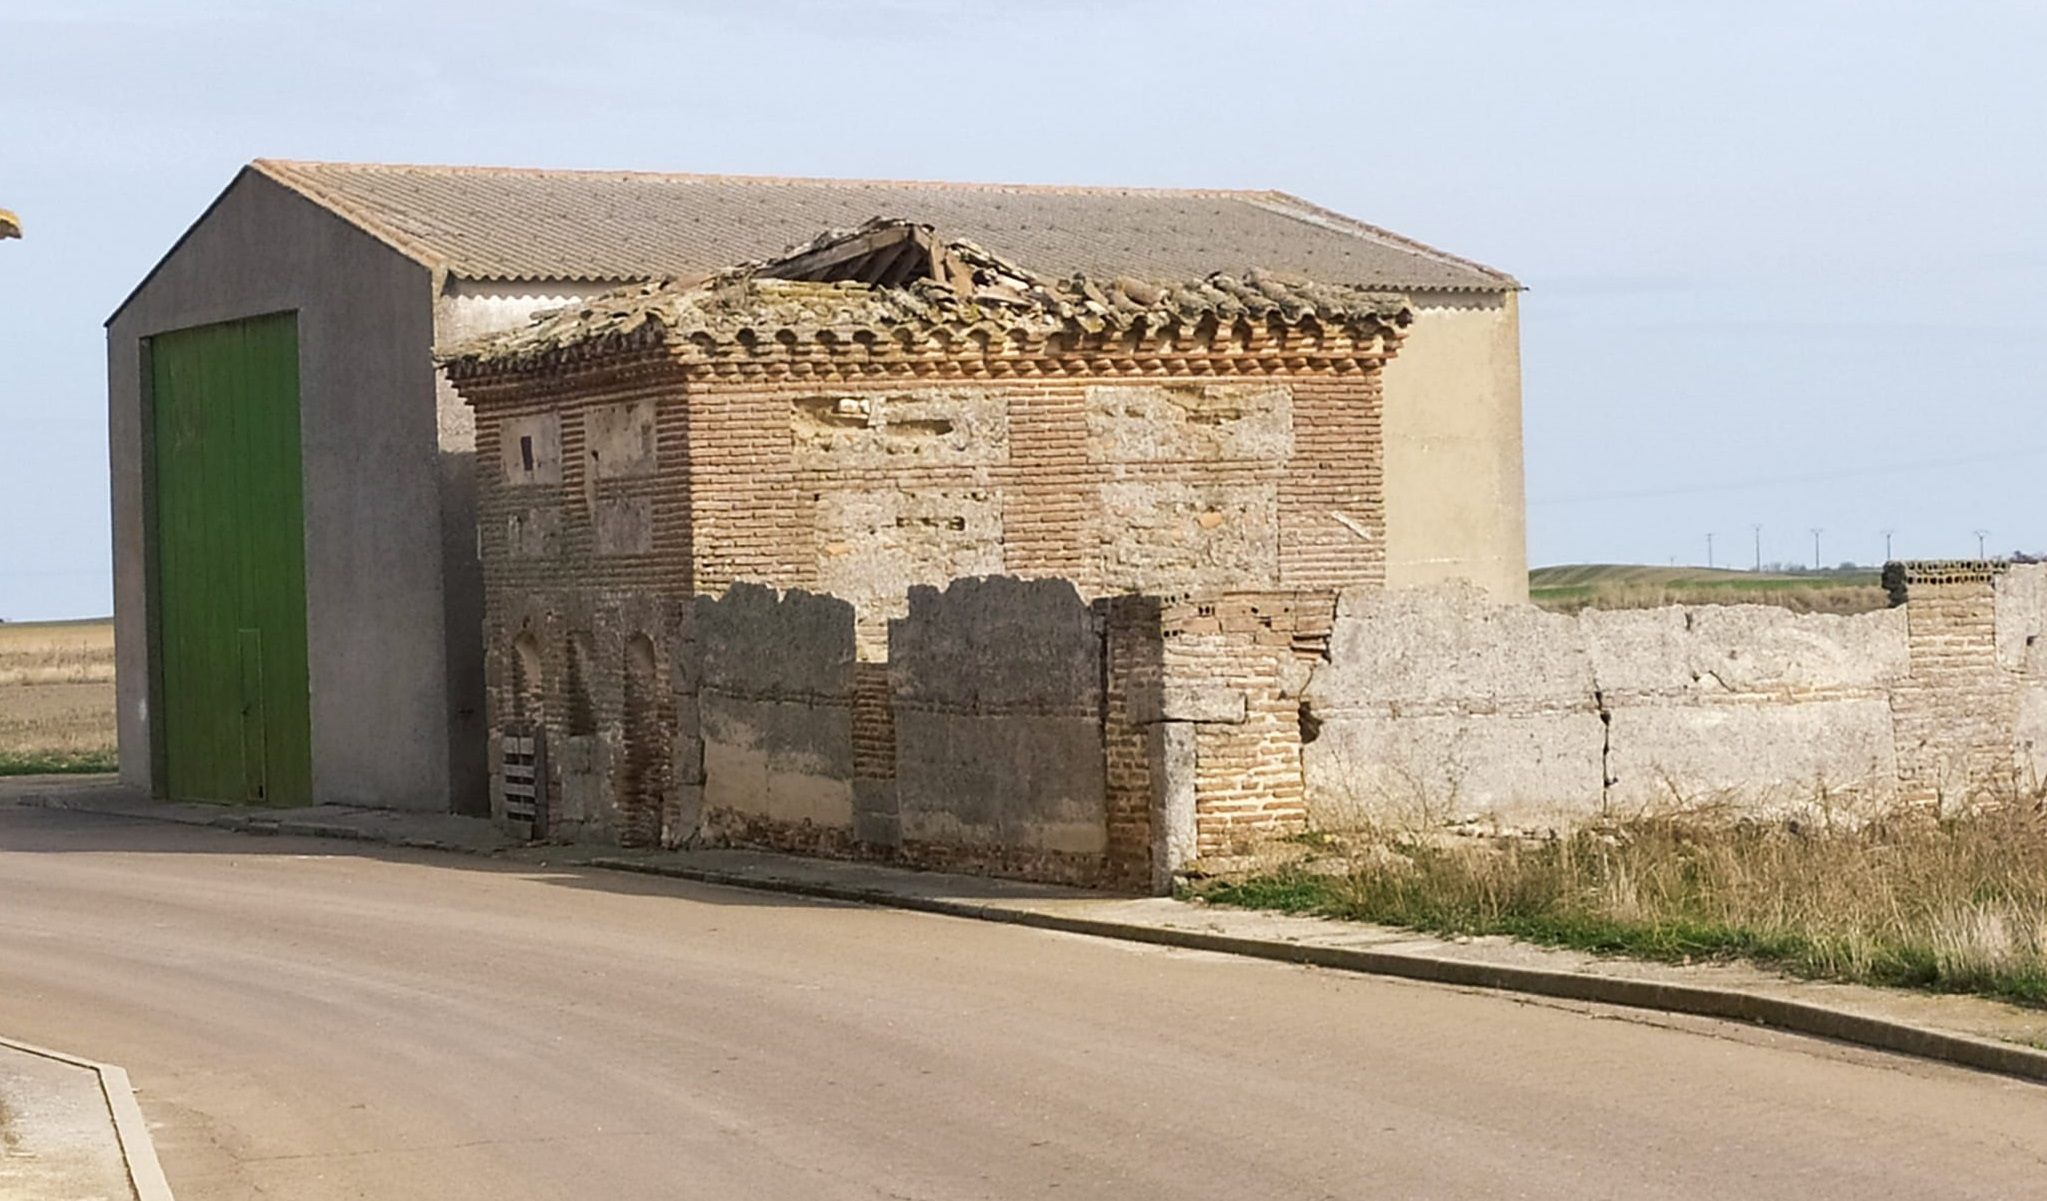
(310, 1020)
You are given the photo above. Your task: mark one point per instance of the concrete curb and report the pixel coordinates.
(242, 823)
(138, 1151)
(1800, 1017)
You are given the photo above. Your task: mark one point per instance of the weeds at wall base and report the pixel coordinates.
(1957, 905)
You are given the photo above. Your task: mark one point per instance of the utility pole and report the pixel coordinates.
(1980, 536)
(1709, 550)
(1887, 544)
(1816, 532)
(1757, 527)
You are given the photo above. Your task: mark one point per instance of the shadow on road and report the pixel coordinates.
(28, 826)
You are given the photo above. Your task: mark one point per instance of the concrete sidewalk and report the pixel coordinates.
(1968, 1031)
(70, 1131)
(57, 1137)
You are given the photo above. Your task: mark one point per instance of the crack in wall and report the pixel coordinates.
(1606, 777)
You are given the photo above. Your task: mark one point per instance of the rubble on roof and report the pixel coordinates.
(890, 274)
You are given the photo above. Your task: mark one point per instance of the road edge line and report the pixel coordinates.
(131, 1131)
(1798, 1017)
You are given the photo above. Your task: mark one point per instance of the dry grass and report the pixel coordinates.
(56, 696)
(1842, 599)
(1956, 904)
(56, 652)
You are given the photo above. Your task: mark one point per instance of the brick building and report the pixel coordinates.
(880, 411)
(305, 307)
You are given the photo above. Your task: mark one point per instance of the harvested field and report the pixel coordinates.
(56, 696)
(1569, 588)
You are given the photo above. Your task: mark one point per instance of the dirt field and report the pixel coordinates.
(56, 696)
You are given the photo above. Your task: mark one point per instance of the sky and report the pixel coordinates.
(1786, 261)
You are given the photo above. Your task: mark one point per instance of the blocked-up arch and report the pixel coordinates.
(643, 780)
(527, 674)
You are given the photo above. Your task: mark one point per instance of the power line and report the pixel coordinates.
(1771, 482)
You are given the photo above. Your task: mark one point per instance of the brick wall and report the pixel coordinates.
(622, 483)
(585, 546)
(1961, 717)
(862, 488)
(620, 489)
(1234, 665)
(573, 521)
(1141, 837)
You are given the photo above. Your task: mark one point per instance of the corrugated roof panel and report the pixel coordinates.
(498, 223)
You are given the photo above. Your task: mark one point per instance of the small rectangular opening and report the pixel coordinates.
(526, 450)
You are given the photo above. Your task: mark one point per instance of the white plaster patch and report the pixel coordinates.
(1153, 423)
(871, 546)
(2022, 619)
(625, 525)
(530, 449)
(952, 426)
(619, 440)
(1177, 535)
(534, 533)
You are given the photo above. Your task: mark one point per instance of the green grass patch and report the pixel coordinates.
(45, 764)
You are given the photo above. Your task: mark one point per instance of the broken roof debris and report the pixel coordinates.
(891, 274)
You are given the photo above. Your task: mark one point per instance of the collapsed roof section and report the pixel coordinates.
(892, 279)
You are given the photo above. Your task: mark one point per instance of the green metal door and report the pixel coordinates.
(231, 702)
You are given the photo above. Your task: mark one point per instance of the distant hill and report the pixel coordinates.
(1570, 587)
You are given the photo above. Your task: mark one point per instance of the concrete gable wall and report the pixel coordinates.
(1455, 506)
(381, 704)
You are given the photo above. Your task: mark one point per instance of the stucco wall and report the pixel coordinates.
(2021, 632)
(1452, 419)
(1442, 705)
(989, 753)
(997, 693)
(377, 631)
(776, 705)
